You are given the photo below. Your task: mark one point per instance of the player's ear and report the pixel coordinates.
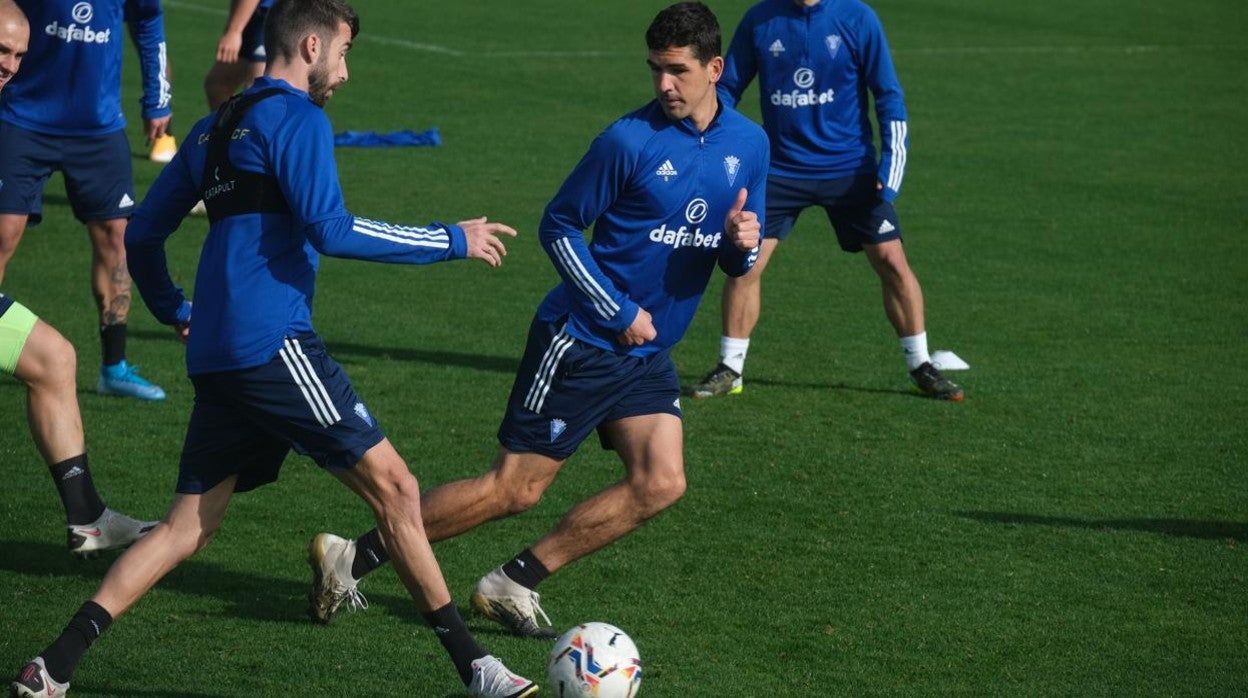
(716, 68)
(310, 47)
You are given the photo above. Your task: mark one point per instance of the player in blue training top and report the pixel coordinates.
(240, 51)
(670, 190)
(816, 61)
(64, 113)
(36, 354)
(264, 383)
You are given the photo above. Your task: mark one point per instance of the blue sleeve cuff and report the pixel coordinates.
(156, 113)
(624, 318)
(459, 241)
(183, 315)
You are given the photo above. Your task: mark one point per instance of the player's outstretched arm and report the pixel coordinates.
(483, 240)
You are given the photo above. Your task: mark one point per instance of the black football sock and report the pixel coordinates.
(62, 656)
(526, 570)
(73, 482)
(455, 638)
(113, 342)
(369, 554)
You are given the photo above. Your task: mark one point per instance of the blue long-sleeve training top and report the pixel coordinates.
(815, 65)
(257, 271)
(70, 81)
(657, 194)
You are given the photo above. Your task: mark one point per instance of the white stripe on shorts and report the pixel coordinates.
(546, 371)
(309, 383)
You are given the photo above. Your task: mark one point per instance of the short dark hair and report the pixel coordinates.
(686, 24)
(289, 21)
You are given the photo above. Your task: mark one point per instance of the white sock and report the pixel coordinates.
(915, 348)
(732, 352)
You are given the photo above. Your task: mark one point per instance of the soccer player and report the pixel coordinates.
(36, 354)
(816, 62)
(670, 191)
(264, 383)
(240, 51)
(66, 115)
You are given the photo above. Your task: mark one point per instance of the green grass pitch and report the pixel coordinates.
(1075, 209)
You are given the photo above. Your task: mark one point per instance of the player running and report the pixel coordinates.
(671, 191)
(264, 383)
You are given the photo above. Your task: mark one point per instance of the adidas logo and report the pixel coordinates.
(886, 227)
(73, 472)
(126, 201)
(362, 412)
(666, 171)
(776, 48)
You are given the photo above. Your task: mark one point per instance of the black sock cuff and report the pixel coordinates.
(446, 617)
(370, 554)
(60, 470)
(526, 570)
(113, 343)
(77, 490)
(96, 614)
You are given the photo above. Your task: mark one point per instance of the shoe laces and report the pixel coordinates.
(496, 677)
(534, 597)
(352, 596)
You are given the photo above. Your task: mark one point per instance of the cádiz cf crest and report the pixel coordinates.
(732, 165)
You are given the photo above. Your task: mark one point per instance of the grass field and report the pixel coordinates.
(1075, 208)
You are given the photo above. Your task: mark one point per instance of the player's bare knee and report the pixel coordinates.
(397, 493)
(183, 541)
(522, 498)
(660, 491)
(205, 537)
(62, 361)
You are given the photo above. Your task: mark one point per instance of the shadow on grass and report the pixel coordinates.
(247, 595)
(1180, 528)
(343, 350)
(687, 387)
(136, 692)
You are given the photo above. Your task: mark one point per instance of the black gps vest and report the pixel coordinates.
(225, 189)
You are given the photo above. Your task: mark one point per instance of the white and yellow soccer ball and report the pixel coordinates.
(594, 660)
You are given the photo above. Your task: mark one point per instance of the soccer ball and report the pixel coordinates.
(594, 660)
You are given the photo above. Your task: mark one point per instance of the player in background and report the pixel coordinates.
(264, 383)
(64, 113)
(670, 190)
(37, 355)
(239, 61)
(816, 61)
(240, 51)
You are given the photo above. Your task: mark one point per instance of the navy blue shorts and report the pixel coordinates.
(566, 388)
(98, 175)
(244, 422)
(854, 207)
(253, 37)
